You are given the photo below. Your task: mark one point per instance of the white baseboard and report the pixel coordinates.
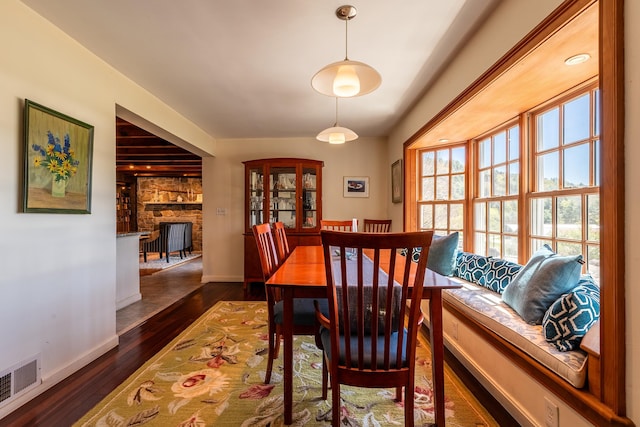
(216, 278)
(129, 300)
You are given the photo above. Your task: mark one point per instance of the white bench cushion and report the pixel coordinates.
(487, 308)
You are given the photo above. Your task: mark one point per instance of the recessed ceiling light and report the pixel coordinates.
(148, 167)
(443, 140)
(577, 59)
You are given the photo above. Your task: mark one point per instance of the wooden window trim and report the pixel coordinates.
(611, 408)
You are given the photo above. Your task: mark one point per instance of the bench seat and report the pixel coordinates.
(487, 308)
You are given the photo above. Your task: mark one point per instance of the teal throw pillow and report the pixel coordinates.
(572, 315)
(543, 280)
(442, 254)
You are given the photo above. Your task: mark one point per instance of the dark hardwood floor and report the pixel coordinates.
(69, 400)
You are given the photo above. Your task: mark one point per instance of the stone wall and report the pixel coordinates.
(170, 200)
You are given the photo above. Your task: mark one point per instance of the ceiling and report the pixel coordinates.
(243, 68)
(531, 81)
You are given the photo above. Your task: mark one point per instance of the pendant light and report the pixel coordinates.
(337, 134)
(346, 78)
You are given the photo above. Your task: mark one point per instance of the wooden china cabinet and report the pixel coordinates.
(286, 190)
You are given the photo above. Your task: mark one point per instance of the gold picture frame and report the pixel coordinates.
(58, 154)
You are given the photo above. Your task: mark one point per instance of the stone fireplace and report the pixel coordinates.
(170, 200)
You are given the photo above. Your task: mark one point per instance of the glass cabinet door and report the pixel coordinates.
(284, 190)
(283, 195)
(256, 196)
(309, 198)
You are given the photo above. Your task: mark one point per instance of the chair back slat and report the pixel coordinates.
(335, 225)
(377, 225)
(282, 244)
(266, 249)
(368, 284)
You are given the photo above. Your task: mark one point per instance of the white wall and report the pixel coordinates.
(58, 281)
(223, 187)
(510, 22)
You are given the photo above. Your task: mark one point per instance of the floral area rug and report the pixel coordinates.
(212, 375)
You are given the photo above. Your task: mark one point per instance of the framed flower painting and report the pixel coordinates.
(58, 153)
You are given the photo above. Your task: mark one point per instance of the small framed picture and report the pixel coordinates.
(396, 181)
(356, 186)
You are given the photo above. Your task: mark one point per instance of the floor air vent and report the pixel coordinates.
(19, 378)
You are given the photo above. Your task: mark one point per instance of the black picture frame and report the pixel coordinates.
(397, 186)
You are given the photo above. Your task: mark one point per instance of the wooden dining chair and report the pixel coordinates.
(377, 225)
(282, 244)
(327, 224)
(369, 338)
(304, 309)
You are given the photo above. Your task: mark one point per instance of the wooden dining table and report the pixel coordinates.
(302, 275)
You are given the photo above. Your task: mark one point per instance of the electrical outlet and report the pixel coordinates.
(454, 330)
(221, 211)
(551, 415)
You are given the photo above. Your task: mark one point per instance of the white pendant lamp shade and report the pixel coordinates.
(337, 135)
(345, 79)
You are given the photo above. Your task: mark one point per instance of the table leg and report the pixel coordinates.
(287, 332)
(437, 354)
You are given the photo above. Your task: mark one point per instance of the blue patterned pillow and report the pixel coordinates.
(472, 268)
(415, 253)
(500, 274)
(570, 317)
(545, 278)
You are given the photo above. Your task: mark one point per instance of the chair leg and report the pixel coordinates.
(325, 378)
(336, 407)
(276, 347)
(271, 351)
(144, 255)
(409, 397)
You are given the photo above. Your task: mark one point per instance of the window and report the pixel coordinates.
(564, 205)
(610, 77)
(495, 206)
(442, 190)
(561, 194)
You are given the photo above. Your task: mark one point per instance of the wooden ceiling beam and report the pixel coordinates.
(140, 153)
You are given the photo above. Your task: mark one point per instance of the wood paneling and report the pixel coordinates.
(529, 80)
(140, 153)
